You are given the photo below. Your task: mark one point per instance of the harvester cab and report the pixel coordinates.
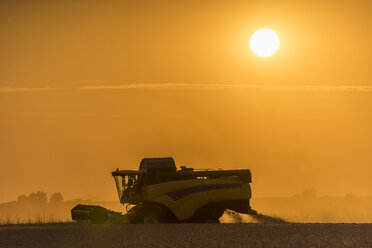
(158, 192)
(129, 186)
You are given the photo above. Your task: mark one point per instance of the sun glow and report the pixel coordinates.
(264, 42)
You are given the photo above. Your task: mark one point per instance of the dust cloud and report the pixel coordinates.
(236, 217)
(262, 218)
(257, 218)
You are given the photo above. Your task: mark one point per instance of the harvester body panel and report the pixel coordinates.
(172, 195)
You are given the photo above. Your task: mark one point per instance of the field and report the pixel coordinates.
(186, 235)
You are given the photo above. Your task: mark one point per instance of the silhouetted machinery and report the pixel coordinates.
(159, 193)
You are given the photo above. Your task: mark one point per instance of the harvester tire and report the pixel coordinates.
(154, 214)
(208, 214)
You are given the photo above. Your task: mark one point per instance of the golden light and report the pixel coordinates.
(264, 42)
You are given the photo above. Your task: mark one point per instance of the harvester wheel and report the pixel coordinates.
(208, 214)
(154, 214)
(151, 218)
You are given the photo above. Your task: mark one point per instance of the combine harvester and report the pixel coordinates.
(159, 193)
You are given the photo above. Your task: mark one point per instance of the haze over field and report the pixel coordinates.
(88, 86)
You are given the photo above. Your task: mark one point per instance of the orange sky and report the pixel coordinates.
(86, 87)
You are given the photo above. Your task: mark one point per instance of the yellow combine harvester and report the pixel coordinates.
(159, 193)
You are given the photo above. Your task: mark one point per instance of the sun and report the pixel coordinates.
(264, 42)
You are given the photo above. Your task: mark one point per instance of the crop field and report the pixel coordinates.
(186, 235)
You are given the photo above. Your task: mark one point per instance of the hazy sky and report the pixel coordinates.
(89, 86)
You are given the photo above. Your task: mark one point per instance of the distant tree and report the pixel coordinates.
(38, 198)
(309, 193)
(56, 198)
(22, 199)
(352, 196)
(296, 196)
